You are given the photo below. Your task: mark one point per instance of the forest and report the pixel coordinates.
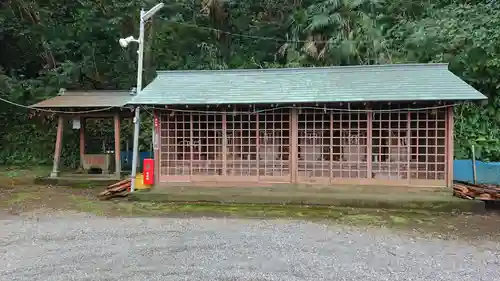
(46, 45)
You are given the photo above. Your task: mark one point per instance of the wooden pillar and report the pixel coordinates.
(82, 142)
(57, 150)
(224, 143)
(191, 145)
(118, 163)
(408, 147)
(332, 129)
(369, 145)
(449, 147)
(257, 144)
(294, 148)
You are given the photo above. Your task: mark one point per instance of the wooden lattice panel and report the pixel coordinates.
(191, 144)
(390, 145)
(175, 142)
(314, 145)
(242, 139)
(207, 139)
(387, 144)
(233, 146)
(428, 144)
(274, 144)
(350, 145)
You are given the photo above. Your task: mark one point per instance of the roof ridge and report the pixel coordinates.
(282, 69)
(89, 91)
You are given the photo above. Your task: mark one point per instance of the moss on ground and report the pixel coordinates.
(26, 199)
(432, 216)
(371, 201)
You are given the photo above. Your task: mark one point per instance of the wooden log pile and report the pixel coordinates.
(119, 189)
(484, 192)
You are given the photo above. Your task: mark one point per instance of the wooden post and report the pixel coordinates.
(294, 138)
(474, 174)
(408, 147)
(450, 147)
(257, 143)
(191, 145)
(224, 143)
(331, 147)
(118, 164)
(369, 145)
(57, 150)
(82, 142)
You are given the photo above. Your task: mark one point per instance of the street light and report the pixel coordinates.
(124, 42)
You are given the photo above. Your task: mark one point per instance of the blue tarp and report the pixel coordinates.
(126, 157)
(486, 172)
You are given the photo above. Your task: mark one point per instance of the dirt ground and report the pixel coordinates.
(20, 197)
(35, 201)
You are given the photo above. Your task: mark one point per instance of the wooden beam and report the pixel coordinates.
(408, 147)
(294, 148)
(369, 144)
(122, 114)
(331, 146)
(224, 143)
(450, 147)
(118, 163)
(57, 150)
(82, 142)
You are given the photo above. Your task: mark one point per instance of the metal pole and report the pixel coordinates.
(474, 175)
(137, 122)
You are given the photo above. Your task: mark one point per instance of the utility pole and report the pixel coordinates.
(144, 17)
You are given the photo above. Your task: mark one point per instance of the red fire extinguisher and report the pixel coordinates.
(148, 169)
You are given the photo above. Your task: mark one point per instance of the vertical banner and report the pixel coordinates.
(156, 131)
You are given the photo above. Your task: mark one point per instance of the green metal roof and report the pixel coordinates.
(397, 82)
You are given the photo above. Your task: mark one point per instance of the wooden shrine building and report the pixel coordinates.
(377, 125)
(75, 107)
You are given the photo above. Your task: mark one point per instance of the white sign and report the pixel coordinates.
(76, 123)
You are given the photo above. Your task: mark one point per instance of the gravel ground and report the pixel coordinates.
(76, 247)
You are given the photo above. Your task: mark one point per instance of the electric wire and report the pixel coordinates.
(326, 109)
(56, 111)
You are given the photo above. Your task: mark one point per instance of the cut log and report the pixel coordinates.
(119, 183)
(485, 196)
(461, 188)
(114, 195)
(119, 189)
(484, 192)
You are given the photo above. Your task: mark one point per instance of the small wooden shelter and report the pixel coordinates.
(79, 106)
(377, 125)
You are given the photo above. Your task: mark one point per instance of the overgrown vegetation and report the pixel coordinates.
(49, 44)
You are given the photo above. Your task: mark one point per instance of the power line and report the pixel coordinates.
(245, 35)
(326, 109)
(55, 111)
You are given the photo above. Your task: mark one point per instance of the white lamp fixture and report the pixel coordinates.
(125, 41)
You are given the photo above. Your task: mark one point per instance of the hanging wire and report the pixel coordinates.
(146, 109)
(55, 111)
(244, 35)
(313, 108)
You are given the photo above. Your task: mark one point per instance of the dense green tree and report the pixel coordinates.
(49, 44)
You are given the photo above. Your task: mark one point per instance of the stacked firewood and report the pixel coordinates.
(119, 189)
(485, 192)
